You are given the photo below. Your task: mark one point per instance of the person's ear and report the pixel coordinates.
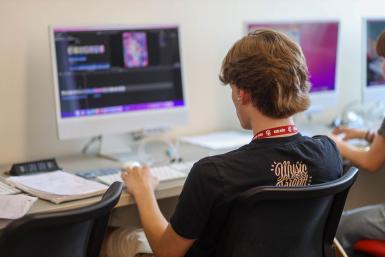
(243, 97)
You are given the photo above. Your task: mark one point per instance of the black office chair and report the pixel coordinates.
(270, 221)
(73, 233)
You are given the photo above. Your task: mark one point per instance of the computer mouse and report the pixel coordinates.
(131, 165)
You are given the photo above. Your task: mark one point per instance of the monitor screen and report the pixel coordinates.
(319, 43)
(112, 71)
(373, 65)
(104, 71)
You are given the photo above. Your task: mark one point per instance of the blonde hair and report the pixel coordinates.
(272, 68)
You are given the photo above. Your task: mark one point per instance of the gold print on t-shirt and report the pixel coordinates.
(291, 174)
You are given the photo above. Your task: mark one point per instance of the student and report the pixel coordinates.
(367, 222)
(268, 79)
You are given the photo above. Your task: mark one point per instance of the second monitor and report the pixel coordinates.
(319, 43)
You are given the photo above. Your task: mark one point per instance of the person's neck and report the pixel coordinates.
(261, 122)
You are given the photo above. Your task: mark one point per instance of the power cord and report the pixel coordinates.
(91, 142)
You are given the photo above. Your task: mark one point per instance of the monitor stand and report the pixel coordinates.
(144, 146)
(120, 148)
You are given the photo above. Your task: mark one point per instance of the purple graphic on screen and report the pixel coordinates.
(125, 108)
(319, 41)
(135, 49)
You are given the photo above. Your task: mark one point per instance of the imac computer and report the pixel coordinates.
(319, 43)
(372, 65)
(117, 79)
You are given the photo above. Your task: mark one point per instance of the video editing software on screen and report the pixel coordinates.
(103, 71)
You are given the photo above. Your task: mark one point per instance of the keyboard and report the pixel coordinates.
(163, 173)
(94, 173)
(6, 189)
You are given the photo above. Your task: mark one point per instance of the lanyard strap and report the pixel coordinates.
(277, 131)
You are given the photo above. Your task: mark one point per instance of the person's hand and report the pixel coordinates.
(346, 133)
(139, 180)
(337, 138)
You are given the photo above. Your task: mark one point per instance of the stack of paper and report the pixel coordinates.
(57, 186)
(15, 206)
(219, 140)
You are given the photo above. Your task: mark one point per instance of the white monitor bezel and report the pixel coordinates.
(116, 123)
(318, 99)
(375, 93)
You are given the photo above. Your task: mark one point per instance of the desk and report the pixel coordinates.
(76, 163)
(368, 189)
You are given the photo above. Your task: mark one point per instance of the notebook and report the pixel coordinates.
(15, 206)
(57, 186)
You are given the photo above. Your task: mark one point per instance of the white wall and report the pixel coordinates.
(208, 29)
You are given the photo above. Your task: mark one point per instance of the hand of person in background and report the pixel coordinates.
(345, 133)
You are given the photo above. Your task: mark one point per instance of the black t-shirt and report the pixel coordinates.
(215, 181)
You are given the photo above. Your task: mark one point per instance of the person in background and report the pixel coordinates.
(370, 160)
(367, 222)
(268, 78)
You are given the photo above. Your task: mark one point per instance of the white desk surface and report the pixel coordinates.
(78, 163)
(83, 162)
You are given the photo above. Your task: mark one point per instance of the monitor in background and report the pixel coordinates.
(372, 68)
(111, 80)
(319, 42)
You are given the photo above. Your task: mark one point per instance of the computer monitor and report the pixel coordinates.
(116, 79)
(373, 77)
(319, 43)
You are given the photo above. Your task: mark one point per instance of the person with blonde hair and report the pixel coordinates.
(268, 78)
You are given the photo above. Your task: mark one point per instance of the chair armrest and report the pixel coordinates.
(339, 250)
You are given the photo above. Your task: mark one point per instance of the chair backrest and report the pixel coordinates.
(270, 221)
(73, 233)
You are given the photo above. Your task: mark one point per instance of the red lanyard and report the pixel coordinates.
(277, 131)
